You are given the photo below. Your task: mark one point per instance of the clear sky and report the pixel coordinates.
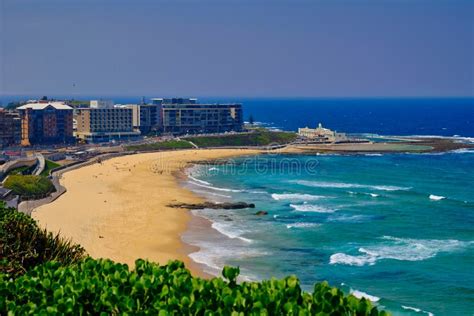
(237, 48)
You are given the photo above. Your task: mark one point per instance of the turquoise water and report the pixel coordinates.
(396, 228)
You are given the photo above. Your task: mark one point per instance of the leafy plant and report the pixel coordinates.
(104, 287)
(24, 245)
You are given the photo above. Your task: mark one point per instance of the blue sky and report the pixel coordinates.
(237, 48)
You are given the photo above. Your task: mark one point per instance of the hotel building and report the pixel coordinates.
(105, 124)
(10, 128)
(46, 123)
(185, 115)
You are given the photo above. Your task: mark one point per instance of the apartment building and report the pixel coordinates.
(10, 128)
(187, 116)
(105, 124)
(46, 122)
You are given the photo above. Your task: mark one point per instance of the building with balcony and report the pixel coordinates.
(187, 116)
(10, 128)
(105, 124)
(46, 122)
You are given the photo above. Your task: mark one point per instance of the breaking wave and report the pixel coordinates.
(296, 197)
(311, 208)
(403, 249)
(323, 184)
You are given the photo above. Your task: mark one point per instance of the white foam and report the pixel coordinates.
(436, 197)
(302, 225)
(214, 188)
(348, 218)
(213, 169)
(230, 231)
(199, 181)
(375, 155)
(311, 208)
(360, 294)
(342, 258)
(374, 195)
(402, 249)
(323, 184)
(212, 193)
(296, 197)
(418, 310)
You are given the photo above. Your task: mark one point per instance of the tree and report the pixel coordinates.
(251, 120)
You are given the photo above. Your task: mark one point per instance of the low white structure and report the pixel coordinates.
(101, 104)
(321, 134)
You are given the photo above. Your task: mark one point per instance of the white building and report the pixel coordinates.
(321, 134)
(101, 104)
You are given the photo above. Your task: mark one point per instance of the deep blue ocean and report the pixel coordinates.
(395, 228)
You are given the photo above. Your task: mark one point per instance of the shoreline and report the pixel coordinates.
(116, 208)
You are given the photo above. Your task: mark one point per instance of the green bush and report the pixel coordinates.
(256, 138)
(23, 245)
(29, 186)
(104, 287)
(165, 145)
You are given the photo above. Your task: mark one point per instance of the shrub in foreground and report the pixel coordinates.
(24, 245)
(102, 286)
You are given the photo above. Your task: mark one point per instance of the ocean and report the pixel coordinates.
(395, 228)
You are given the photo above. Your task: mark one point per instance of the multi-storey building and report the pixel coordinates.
(183, 116)
(105, 124)
(10, 128)
(146, 117)
(46, 123)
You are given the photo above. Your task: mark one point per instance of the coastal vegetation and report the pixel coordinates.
(49, 165)
(24, 245)
(41, 273)
(29, 186)
(259, 137)
(164, 145)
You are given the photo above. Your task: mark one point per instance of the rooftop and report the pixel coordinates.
(42, 106)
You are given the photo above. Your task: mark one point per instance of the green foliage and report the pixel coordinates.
(104, 287)
(22, 170)
(29, 186)
(259, 137)
(165, 145)
(49, 165)
(24, 245)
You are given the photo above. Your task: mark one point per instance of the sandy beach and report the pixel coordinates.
(117, 209)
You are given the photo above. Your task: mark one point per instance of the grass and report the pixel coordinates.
(165, 145)
(29, 186)
(257, 138)
(49, 165)
(22, 170)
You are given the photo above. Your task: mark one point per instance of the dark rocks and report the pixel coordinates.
(210, 205)
(261, 213)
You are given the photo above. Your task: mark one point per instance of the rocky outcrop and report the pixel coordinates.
(210, 205)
